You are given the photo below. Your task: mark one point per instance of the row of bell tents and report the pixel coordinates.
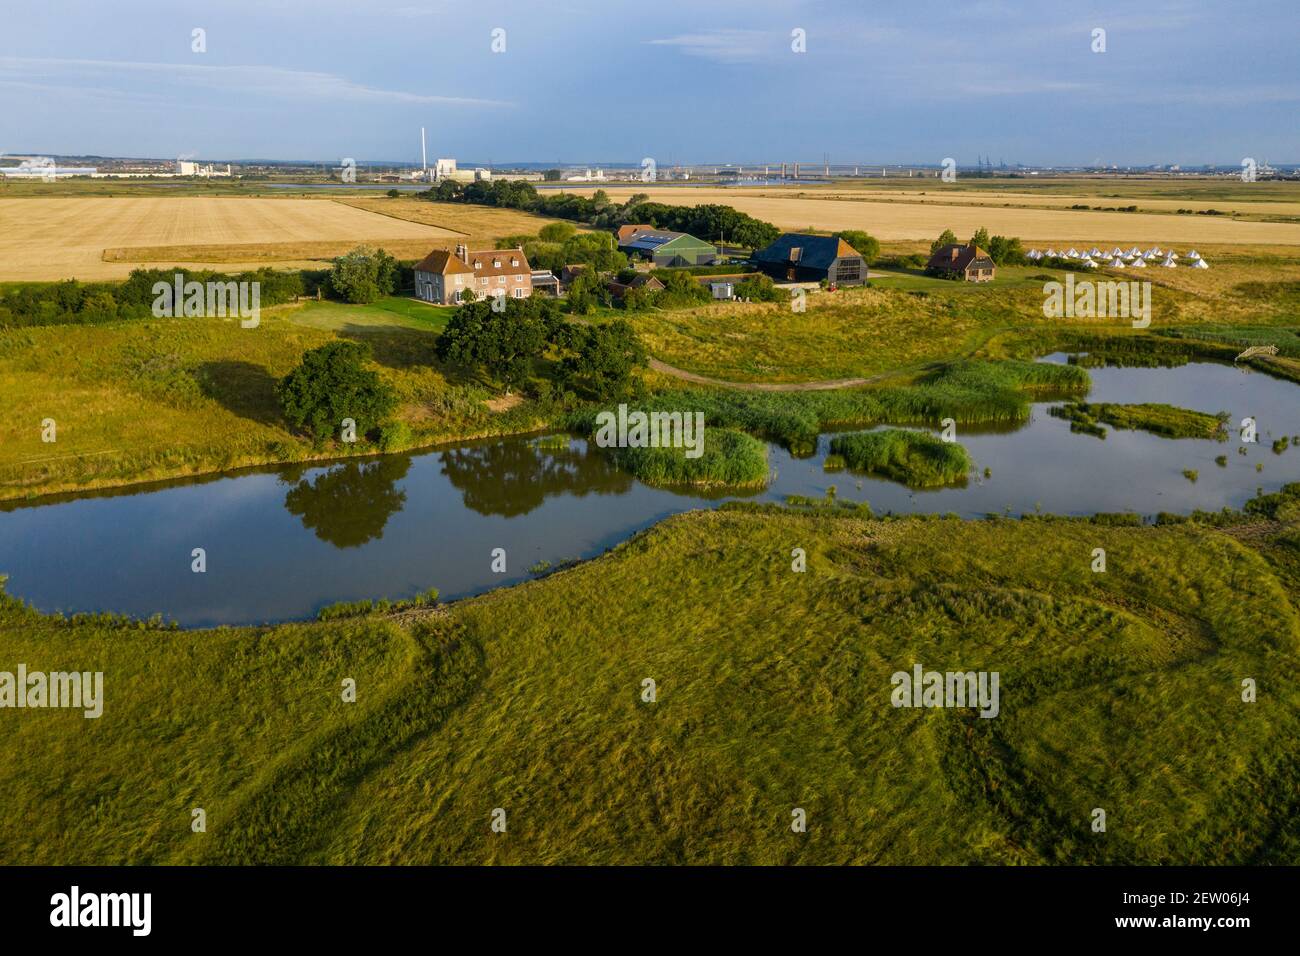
(1136, 258)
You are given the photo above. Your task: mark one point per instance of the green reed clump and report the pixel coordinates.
(729, 458)
(913, 458)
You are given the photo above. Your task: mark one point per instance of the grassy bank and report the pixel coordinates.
(165, 398)
(772, 691)
(913, 458)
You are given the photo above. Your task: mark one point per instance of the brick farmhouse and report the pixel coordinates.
(444, 277)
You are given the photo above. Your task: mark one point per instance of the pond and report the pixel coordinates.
(282, 542)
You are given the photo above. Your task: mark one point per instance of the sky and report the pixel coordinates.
(579, 81)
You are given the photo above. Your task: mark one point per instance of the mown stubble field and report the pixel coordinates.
(47, 239)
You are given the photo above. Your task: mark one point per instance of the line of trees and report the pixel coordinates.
(713, 222)
(72, 302)
(361, 276)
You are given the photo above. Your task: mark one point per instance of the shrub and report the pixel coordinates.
(394, 435)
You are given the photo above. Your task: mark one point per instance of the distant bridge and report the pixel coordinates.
(1257, 350)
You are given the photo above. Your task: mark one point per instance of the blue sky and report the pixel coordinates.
(618, 80)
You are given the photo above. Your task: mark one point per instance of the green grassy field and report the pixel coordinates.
(135, 401)
(772, 692)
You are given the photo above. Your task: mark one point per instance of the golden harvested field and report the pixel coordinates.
(480, 223)
(903, 221)
(66, 238)
(266, 253)
(936, 194)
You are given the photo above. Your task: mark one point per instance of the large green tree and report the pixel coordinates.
(331, 384)
(364, 275)
(606, 356)
(503, 341)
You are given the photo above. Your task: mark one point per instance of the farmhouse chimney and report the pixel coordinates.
(462, 252)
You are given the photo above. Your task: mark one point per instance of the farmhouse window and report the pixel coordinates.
(501, 280)
(519, 293)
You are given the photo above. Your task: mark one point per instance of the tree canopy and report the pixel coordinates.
(331, 384)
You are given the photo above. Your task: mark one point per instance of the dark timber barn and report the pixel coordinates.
(798, 257)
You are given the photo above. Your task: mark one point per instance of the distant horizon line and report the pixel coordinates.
(744, 165)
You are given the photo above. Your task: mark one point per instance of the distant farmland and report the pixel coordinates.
(894, 220)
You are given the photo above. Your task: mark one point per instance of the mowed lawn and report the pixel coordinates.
(135, 401)
(772, 692)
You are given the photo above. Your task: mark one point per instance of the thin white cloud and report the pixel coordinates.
(258, 80)
(722, 46)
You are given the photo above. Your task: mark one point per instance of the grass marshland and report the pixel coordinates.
(967, 392)
(773, 692)
(917, 459)
(1168, 421)
(906, 320)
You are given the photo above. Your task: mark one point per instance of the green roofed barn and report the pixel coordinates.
(666, 248)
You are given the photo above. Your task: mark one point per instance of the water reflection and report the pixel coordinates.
(514, 477)
(351, 503)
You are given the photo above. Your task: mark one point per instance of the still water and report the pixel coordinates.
(283, 542)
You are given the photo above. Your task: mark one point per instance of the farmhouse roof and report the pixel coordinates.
(812, 252)
(957, 256)
(441, 262)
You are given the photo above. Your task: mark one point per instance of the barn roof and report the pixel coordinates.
(811, 252)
